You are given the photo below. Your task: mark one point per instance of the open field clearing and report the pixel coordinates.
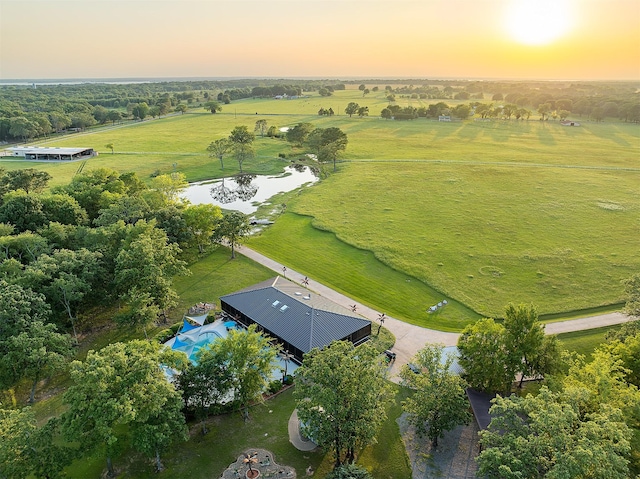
(483, 213)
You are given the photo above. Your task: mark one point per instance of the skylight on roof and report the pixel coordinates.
(275, 303)
(284, 308)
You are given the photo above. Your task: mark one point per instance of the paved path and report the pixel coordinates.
(410, 338)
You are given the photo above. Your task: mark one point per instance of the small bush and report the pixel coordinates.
(174, 327)
(282, 155)
(274, 386)
(349, 471)
(164, 335)
(288, 379)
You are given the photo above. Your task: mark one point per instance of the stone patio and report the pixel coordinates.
(261, 461)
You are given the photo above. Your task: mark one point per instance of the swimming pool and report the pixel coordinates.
(200, 337)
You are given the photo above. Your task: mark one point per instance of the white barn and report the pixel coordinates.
(44, 153)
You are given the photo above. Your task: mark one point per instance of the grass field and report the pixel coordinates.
(484, 213)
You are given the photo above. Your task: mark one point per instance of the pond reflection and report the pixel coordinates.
(246, 193)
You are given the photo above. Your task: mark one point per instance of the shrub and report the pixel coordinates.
(164, 335)
(349, 471)
(274, 386)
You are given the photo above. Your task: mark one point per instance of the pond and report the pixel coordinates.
(245, 193)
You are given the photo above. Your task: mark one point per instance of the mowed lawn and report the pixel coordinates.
(483, 213)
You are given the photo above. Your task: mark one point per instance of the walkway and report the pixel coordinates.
(410, 338)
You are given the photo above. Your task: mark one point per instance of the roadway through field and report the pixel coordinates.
(410, 338)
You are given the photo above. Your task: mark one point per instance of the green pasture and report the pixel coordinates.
(487, 235)
(483, 213)
(585, 342)
(358, 274)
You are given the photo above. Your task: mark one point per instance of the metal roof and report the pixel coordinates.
(302, 318)
(46, 150)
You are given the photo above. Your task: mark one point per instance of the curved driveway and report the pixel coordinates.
(410, 338)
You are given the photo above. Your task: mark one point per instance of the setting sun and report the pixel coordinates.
(537, 22)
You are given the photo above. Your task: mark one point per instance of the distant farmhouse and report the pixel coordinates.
(298, 319)
(48, 153)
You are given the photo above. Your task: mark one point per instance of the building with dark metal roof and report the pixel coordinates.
(298, 318)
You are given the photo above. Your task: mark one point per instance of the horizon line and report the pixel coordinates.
(159, 79)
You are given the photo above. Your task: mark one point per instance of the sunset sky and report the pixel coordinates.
(519, 39)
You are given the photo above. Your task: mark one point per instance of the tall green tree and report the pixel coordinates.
(219, 149)
(29, 180)
(299, 133)
(20, 306)
(63, 208)
(201, 221)
(28, 450)
(144, 271)
(66, 278)
(242, 140)
(485, 357)
(438, 402)
(261, 127)
(213, 106)
(330, 143)
(205, 385)
(232, 229)
(250, 360)
(35, 353)
(123, 384)
(341, 394)
(524, 335)
(352, 108)
(547, 436)
(22, 211)
(170, 186)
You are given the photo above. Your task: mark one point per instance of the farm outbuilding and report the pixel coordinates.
(298, 319)
(52, 153)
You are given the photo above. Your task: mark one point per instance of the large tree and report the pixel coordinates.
(65, 277)
(242, 139)
(438, 402)
(213, 106)
(261, 127)
(219, 149)
(328, 143)
(28, 449)
(18, 308)
(22, 211)
(524, 335)
(144, 271)
(299, 133)
(341, 394)
(123, 384)
(485, 357)
(250, 360)
(205, 384)
(232, 229)
(201, 221)
(352, 108)
(493, 354)
(547, 436)
(29, 180)
(35, 353)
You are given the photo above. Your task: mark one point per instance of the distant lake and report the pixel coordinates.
(245, 193)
